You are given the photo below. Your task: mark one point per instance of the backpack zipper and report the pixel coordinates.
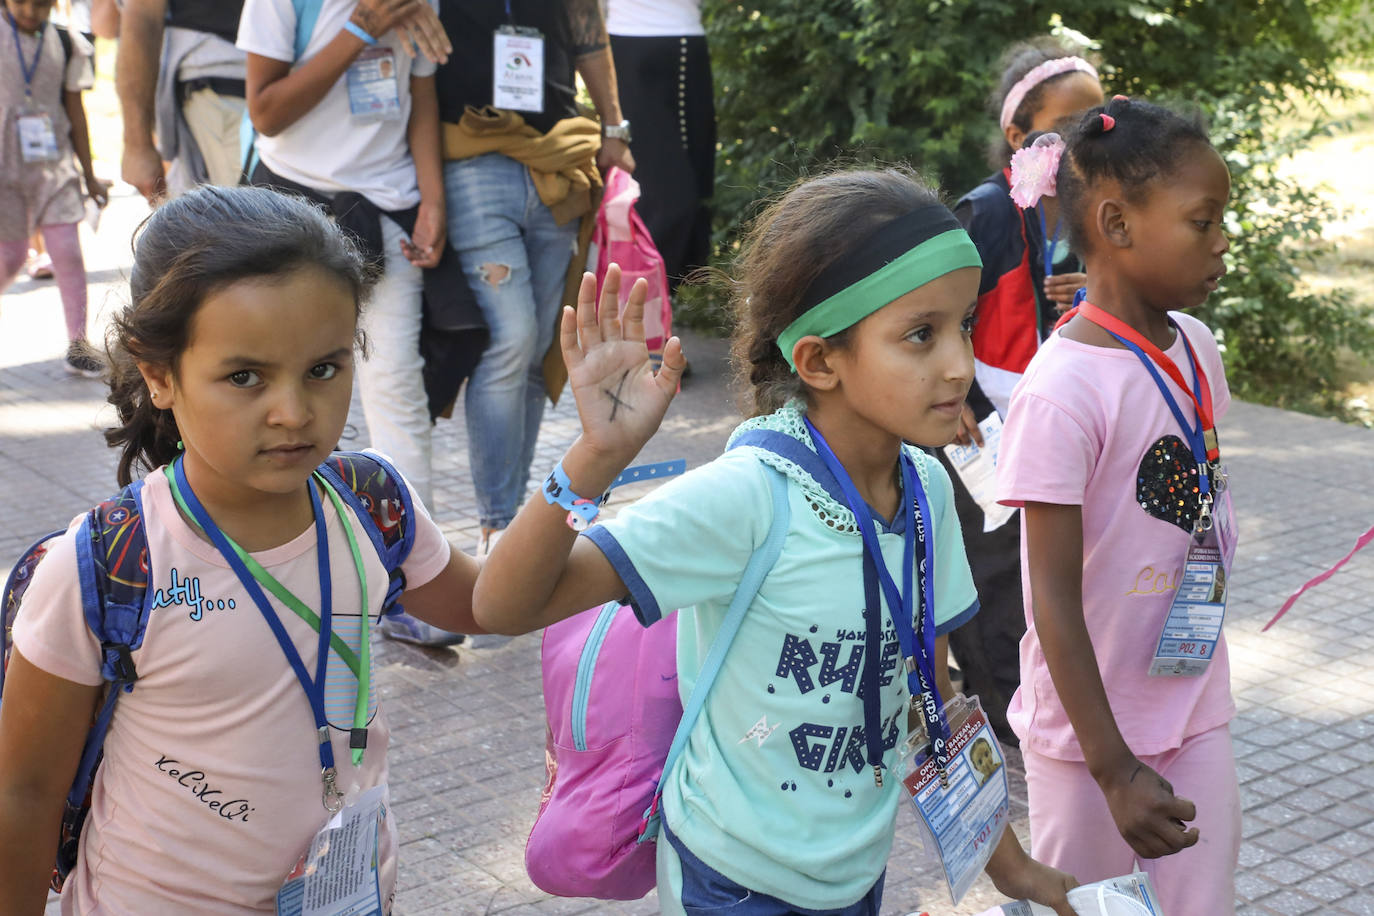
(586, 665)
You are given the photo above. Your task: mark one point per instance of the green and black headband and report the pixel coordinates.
(900, 255)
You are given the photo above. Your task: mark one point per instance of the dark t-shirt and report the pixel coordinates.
(466, 78)
(219, 17)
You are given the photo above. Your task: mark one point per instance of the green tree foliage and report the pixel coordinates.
(802, 83)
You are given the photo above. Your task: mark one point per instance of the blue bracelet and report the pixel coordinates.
(582, 512)
(354, 28)
(558, 491)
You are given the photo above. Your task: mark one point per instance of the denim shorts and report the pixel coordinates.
(706, 892)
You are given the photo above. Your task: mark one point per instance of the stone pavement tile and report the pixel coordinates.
(1292, 903)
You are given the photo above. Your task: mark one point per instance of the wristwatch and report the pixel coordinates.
(619, 131)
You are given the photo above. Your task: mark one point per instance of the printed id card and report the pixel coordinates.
(1193, 628)
(373, 93)
(338, 875)
(37, 138)
(962, 822)
(517, 79)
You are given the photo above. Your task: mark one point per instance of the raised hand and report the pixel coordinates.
(1148, 814)
(620, 398)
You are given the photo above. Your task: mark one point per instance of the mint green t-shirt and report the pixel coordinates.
(773, 789)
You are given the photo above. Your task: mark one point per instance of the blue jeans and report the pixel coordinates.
(516, 259)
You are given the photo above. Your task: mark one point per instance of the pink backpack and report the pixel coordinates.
(622, 238)
(615, 728)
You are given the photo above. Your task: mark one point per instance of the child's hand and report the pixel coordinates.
(620, 399)
(1147, 812)
(1060, 288)
(97, 190)
(1020, 877)
(426, 244)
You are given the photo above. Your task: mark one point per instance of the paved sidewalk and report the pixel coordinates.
(467, 751)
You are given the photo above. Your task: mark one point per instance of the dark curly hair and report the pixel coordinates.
(1145, 143)
(1016, 61)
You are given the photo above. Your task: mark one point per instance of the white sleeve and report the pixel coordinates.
(268, 28)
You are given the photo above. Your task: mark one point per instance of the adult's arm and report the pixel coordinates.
(105, 18)
(591, 48)
(136, 66)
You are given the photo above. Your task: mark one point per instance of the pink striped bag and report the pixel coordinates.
(622, 238)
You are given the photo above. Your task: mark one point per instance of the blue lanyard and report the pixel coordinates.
(30, 69)
(1048, 244)
(1196, 442)
(314, 689)
(918, 646)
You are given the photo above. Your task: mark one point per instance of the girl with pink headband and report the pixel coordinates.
(1028, 276)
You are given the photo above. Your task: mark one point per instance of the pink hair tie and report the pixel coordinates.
(1037, 76)
(1035, 170)
(1108, 122)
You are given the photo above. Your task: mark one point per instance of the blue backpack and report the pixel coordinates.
(112, 563)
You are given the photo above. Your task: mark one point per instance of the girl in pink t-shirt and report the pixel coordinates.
(231, 373)
(1117, 467)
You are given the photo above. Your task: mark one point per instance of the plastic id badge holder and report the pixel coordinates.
(1193, 628)
(37, 137)
(373, 92)
(962, 821)
(517, 79)
(338, 875)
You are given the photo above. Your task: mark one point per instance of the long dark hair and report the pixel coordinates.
(815, 224)
(187, 249)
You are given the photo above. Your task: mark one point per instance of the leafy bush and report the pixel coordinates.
(802, 83)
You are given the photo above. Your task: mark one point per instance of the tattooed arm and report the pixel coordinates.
(591, 49)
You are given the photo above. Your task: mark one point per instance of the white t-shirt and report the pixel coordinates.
(328, 149)
(653, 18)
(210, 788)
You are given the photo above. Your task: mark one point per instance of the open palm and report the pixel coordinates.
(620, 398)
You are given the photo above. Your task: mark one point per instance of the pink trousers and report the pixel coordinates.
(1072, 828)
(64, 247)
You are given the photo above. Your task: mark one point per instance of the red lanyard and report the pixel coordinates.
(1201, 397)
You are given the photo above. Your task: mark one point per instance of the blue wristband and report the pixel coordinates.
(582, 512)
(355, 29)
(558, 491)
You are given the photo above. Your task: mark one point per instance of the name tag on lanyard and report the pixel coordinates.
(338, 875)
(517, 79)
(373, 92)
(37, 137)
(959, 820)
(1192, 630)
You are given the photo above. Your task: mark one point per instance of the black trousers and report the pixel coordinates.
(987, 648)
(667, 94)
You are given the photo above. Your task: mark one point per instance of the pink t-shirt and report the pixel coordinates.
(210, 789)
(1088, 427)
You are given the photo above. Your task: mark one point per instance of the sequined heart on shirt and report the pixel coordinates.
(1167, 483)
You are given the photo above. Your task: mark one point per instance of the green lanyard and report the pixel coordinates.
(361, 662)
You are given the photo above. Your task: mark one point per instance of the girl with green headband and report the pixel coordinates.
(855, 296)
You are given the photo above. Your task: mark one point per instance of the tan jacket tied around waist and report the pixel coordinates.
(562, 162)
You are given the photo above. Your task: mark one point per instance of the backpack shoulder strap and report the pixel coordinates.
(66, 38)
(380, 498)
(760, 564)
(112, 566)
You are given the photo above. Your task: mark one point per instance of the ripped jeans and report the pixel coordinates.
(515, 258)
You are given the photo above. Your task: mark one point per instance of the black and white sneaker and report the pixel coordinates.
(82, 361)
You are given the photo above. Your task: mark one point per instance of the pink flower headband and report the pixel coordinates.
(1037, 76)
(1035, 170)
